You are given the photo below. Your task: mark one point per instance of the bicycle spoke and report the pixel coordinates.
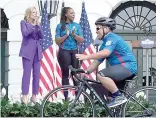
(61, 103)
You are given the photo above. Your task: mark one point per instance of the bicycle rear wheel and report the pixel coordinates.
(56, 105)
(145, 96)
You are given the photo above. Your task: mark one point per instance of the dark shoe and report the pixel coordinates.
(117, 101)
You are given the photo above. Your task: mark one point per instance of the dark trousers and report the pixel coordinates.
(66, 58)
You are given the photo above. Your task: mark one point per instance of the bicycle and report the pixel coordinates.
(82, 98)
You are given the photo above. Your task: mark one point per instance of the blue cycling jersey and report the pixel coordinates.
(120, 52)
(70, 43)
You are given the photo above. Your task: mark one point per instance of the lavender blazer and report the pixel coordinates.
(31, 36)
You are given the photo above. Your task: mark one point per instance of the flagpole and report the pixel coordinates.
(78, 51)
(63, 3)
(78, 46)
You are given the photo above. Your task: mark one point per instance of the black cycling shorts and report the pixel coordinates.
(117, 73)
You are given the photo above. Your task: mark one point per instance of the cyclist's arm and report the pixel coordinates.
(106, 51)
(101, 54)
(93, 66)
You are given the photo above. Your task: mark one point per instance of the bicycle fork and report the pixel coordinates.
(77, 97)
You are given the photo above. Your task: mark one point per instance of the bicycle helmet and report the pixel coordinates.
(105, 21)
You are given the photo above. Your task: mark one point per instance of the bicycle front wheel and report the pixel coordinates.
(142, 104)
(61, 102)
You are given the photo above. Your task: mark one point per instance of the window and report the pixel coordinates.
(135, 15)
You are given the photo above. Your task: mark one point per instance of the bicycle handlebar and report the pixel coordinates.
(78, 71)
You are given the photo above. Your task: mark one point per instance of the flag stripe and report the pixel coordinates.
(50, 72)
(44, 82)
(50, 78)
(86, 47)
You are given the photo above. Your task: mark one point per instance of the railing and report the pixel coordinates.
(149, 78)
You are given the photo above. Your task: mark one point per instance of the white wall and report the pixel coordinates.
(15, 9)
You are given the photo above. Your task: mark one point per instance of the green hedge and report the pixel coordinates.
(56, 110)
(59, 110)
(17, 109)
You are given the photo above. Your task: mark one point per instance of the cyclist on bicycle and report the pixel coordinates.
(118, 54)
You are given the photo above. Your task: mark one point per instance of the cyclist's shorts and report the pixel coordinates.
(117, 73)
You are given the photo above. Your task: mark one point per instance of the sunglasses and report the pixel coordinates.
(98, 28)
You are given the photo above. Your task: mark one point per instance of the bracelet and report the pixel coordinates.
(87, 72)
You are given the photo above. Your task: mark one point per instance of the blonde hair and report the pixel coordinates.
(28, 13)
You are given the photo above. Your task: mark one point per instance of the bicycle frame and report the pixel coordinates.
(101, 100)
(84, 83)
(87, 85)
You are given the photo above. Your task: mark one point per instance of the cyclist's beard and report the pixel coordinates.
(99, 38)
(103, 36)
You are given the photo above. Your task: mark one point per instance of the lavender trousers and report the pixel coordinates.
(29, 65)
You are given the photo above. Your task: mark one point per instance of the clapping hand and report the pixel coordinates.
(67, 31)
(73, 32)
(36, 22)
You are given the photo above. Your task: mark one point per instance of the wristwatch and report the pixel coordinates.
(74, 35)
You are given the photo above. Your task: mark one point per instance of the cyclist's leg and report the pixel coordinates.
(108, 83)
(108, 76)
(116, 72)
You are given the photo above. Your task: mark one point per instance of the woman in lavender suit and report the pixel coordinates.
(31, 53)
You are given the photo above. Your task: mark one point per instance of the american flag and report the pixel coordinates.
(86, 47)
(50, 72)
